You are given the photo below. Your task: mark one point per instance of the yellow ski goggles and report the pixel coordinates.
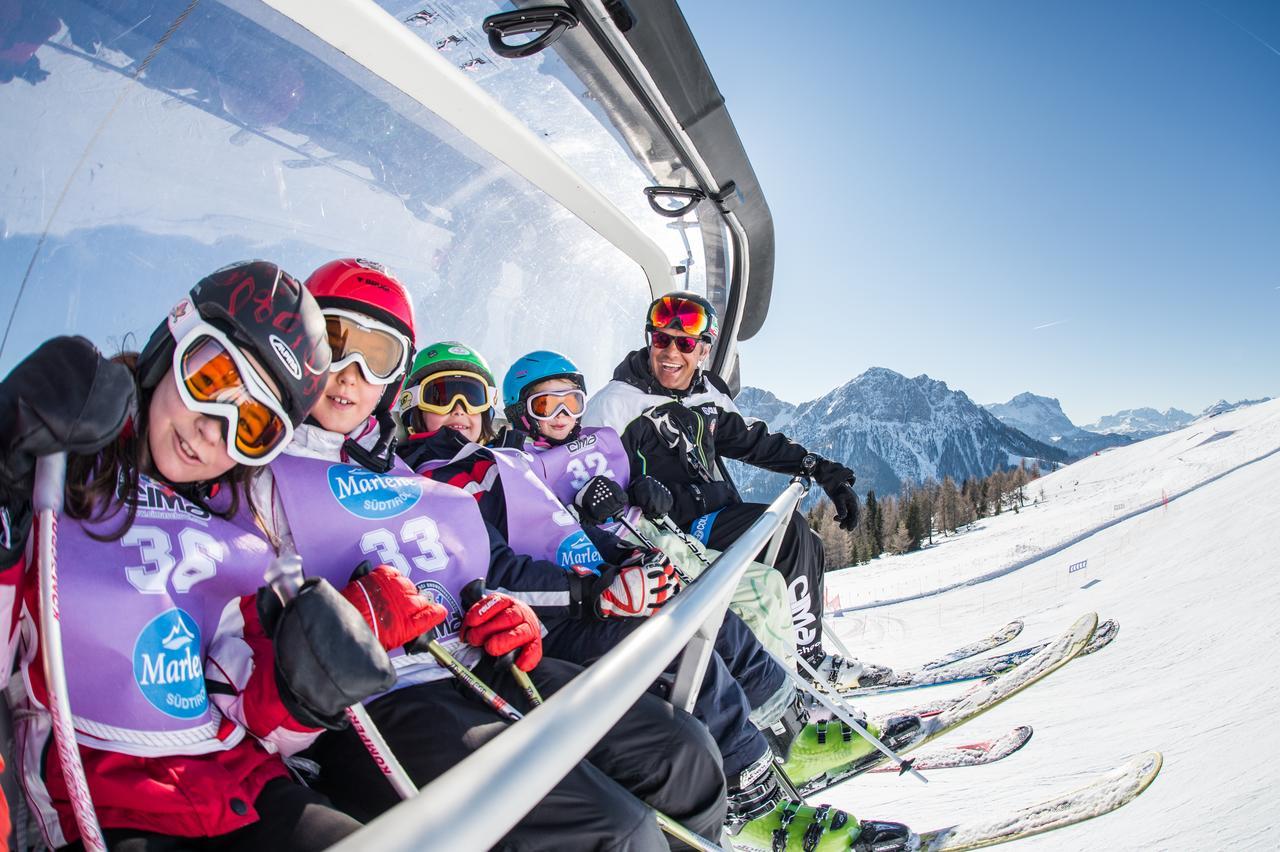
(442, 392)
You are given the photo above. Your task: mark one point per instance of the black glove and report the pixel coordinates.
(651, 496)
(62, 397)
(600, 499)
(837, 480)
(327, 658)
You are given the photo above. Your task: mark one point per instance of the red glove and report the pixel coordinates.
(500, 624)
(393, 606)
(642, 586)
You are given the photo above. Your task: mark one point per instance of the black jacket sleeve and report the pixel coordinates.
(692, 495)
(754, 444)
(611, 547)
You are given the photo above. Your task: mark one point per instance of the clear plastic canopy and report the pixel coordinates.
(146, 146)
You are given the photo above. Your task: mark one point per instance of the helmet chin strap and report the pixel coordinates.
(381, 455)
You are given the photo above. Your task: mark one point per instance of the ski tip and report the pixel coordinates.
(1148, 766)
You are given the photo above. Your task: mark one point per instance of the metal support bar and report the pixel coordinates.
(697, 655)
(554, 737)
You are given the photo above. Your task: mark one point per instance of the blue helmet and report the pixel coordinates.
(528, 371)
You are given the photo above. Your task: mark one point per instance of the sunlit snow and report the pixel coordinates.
(1175, 538)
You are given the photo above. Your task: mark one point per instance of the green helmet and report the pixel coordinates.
(447, 356)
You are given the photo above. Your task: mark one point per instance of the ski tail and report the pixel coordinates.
(1005, 634)
(970, 754)
(1104, 794)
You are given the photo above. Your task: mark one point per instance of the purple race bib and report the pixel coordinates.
(341, 515)
(597, 451)
(138, 614)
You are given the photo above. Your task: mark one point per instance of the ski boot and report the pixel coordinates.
(808, 749)
(840, 673)
(762, 820)
(834, 748)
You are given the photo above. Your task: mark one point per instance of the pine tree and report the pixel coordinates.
(914, 524)
(871, 518)
(900, 541)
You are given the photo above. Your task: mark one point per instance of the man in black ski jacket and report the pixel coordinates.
(675, 420)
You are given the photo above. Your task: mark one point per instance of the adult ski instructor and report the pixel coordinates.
(676, 419)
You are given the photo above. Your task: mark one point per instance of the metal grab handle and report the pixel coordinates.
(549, 22)
(50, 483)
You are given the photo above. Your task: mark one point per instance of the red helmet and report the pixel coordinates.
(365, 287)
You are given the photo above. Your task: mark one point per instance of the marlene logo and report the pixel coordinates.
(167, 665)
(375, 496)
(576, 553)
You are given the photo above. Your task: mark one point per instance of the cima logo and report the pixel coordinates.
(167, 665)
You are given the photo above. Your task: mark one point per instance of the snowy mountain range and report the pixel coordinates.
(1141, 423)
(1042, 418)
(889, 429)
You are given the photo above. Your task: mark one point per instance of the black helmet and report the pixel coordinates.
(266, 312)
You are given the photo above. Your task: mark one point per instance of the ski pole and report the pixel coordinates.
(285, 578)
(498, 703)
(685, 579)
(904, 764)
(50, 483)
(471, 593)
(674, 529)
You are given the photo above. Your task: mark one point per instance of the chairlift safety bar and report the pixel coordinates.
(478, 801)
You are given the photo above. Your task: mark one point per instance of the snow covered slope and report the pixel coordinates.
(1175, 538)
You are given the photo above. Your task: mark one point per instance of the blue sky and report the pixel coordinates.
(1077, 199)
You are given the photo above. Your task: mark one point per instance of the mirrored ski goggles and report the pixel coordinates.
(439, 394)
(547, 404)
(381, 351)
(661, 340)
(690, 317)
(215, 378)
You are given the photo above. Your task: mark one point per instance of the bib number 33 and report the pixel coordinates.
(420, 533)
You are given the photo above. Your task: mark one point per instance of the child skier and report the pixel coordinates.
(159, 587)
(339, 497)
(544, 395)
(447, 406)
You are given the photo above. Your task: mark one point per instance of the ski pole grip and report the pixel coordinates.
(51, 474)
(284, 576)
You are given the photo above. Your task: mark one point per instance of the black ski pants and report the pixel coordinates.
(292, 818)
(799, 562)
(740, 677)
(660, 754)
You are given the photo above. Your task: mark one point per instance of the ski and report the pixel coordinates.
(1102, 637)
(977, 701)
(969, 754)
(1005, 634)
(1103, 794)
(972, 669)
